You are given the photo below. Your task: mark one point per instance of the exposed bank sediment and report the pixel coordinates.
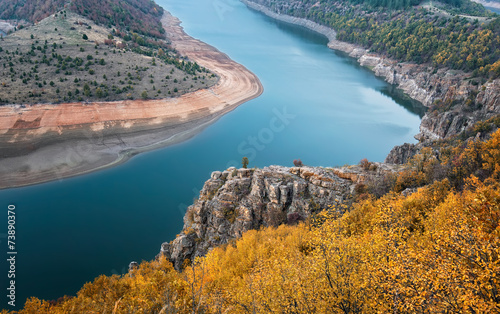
(46, 142)
(420, 82)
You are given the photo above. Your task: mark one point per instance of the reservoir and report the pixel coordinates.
(318, 106)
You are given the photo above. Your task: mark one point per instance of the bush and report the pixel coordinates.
(274, 217)
(298, 163)
(244, 162)
(99, 93)
(294, 218)
(229, 212)
(360, 188)
(365, 164)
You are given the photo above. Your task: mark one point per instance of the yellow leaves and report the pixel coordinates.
(436, 250)
(491, 155)
(248, 283)
(35, 305)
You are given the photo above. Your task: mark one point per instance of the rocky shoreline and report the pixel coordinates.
(47, 142)
(420, 82)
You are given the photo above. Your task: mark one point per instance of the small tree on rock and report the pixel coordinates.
(365, 164)
(298, 163)
(244, 162)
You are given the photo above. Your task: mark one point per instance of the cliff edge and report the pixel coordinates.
(237, 200)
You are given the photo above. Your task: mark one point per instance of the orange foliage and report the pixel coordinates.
(434, 251)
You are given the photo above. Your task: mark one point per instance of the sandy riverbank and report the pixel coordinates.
(47, 142)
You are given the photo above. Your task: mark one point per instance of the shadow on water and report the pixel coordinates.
(389, 90)
(299, 31)
(293, 29)
(404, 100)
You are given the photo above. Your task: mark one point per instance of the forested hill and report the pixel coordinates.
(30, 10)
(139, 16)
(460, 35)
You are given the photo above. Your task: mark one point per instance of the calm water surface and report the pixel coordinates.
(318, 106)
(495, 10)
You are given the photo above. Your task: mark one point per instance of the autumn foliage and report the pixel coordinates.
(435, 250)
(31, 10)
(139, 16)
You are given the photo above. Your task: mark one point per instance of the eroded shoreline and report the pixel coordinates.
(48, 142)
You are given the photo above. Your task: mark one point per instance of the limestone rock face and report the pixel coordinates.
(401, 154)
(236, 200)
(465, 103)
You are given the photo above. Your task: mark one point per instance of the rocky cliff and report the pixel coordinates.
(236, 200)
(455, 100)
(401, 154)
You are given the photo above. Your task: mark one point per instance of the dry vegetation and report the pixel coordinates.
(51, 62)
(139, 16)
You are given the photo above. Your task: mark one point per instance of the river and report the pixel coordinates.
(494, 10)
(318, 105)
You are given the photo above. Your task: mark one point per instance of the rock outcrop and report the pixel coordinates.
(455, 100)
(401, 154)
(237, 200)
(6, 27)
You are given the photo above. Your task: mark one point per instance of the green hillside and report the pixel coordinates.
(461, 35)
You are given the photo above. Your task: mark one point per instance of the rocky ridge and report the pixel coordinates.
(237, 200)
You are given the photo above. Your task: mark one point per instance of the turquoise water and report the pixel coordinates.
(318, 106)
(495, 10)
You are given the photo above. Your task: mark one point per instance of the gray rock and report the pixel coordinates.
(216, 175)
(133, 265)
(401, 154)
(250, 199)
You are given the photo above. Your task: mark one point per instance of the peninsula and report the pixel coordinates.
(44, 142)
